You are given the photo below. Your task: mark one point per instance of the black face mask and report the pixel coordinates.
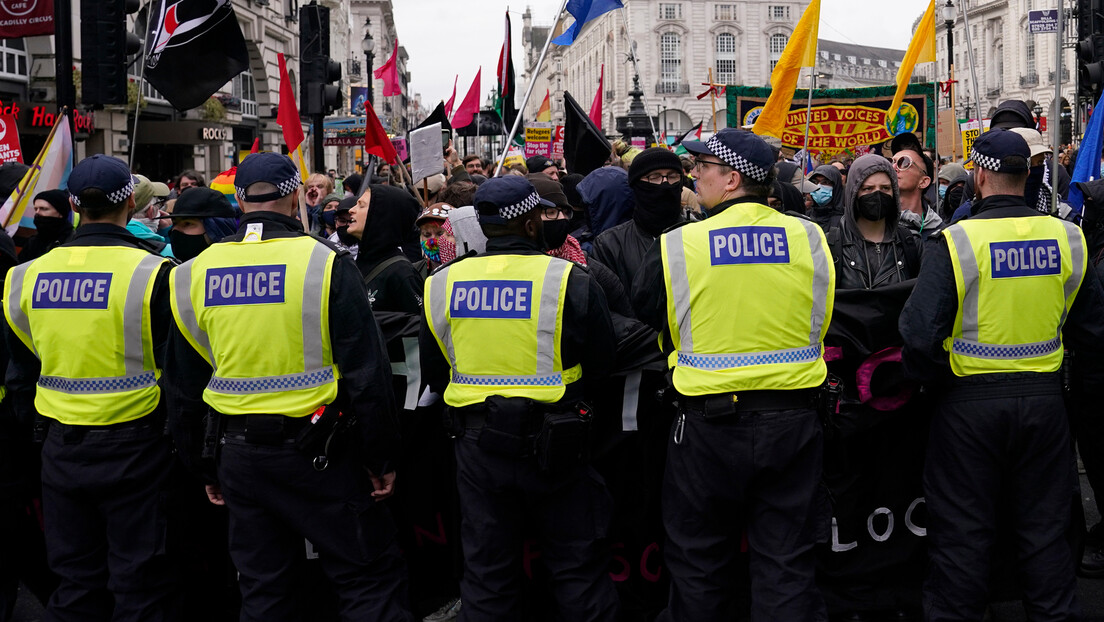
(347, 238)
(556, 231)
(658, 206)
(186, 246)
(876, 206)
(1034, 184)
(51, 227)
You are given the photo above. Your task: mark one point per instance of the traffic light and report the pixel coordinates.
(1090, 54)
(319, 75)
(105, 45)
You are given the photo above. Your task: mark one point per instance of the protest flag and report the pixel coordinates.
(256, 146)
(584, 11)
(596, 105)
(921, 50)
(287, 117)
(437, 116)
(504, 103)
(50, 170)
(389, 73)
(697, 128)
(544, 113)
(199, 39)
(469, 108)
(376, 141)
(451, 100)
(585, 147)
(1087, 167)
(799, 52)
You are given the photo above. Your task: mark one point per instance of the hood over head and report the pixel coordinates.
(390, 221)
(608, 196)
(860, 170)
(833, 175)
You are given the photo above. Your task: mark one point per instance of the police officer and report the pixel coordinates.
(273, 326)
(997, 298)
(521, 332)
(88, 322)
(746, 297)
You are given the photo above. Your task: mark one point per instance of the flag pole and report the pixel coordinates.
(636, 69)
(528, 89)
(138, 101)
(712, 98)
(808, 117)
(1055, 129)
(973, 67)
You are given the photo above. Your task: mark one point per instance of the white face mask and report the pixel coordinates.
(149, 223)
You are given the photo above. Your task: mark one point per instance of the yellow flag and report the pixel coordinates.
(921, 50)
(800, 52)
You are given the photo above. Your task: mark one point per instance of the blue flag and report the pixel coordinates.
(1087, 167)
(583, 11)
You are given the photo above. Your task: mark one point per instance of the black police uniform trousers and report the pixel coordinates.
(276, 498)
(756, 469)
(995, 447)
(505, 499)
(104, 496)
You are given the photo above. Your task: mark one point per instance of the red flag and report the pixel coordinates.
(256, 146)
(288, 114)
(466, 111)
(376, 141)
(389, 73)
(448, 104)
(596, 107)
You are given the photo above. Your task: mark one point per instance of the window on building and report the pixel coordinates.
(246, 91)
(724, 12)
(670, 61)
(670, 10)
(777, 46)
(1029, 49)
(13, 53)
(726, 58)
(779, 13)
(866, 61)
(824, 55)
(836, 57)
(882, 63)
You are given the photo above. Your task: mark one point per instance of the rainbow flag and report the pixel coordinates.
(49, 171)
(544, 113)
(224, 183)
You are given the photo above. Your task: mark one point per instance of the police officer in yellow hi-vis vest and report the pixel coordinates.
(745, 298)
(999, 296)
(273, 326)
(515, 335)
(88, 323)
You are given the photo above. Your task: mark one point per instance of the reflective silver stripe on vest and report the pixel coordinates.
(536, 380)
(119, 384)
(680, 287)
(821, 280)
(438, 311)
(630, 401)
(15, 294)
(272, 384)
(187, 311)
(1077, 254)
(133, 350)
(312, 307)
(807, 354)
(967, 264)
(549, 311)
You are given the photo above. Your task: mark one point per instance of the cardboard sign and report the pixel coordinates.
(538, 140)
(426, 153)
(558, 143)
(399, 143)
(9, 140)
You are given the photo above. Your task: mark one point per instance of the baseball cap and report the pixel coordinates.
(549, 189)
(740, 149)
(537, 164)
(1001, 151)
(437, 211)
(104, 173)
(202, 203)
(267, 167)
(503, 199)
(146, 190)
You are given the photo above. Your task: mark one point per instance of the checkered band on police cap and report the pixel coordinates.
(986, 162)
(510, 212)
(736, 160)
(284, 188)
(118, 196)
(1002, 151)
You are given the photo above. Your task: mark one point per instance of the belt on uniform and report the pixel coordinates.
(153, 423)
(265, 429)
(747, 401)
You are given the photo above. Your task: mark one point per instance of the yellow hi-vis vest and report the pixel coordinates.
(258, 311)
(498, 320)
(1016, 280)
(749, 299)
(85, 313)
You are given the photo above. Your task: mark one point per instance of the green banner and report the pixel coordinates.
(843, 120)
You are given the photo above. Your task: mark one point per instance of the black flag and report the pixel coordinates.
(193, 48)
(437, 116)
(585, 147)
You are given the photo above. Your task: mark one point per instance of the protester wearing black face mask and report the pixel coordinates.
(200, 218)
(655, 177)
(870, 247)
(52, 226)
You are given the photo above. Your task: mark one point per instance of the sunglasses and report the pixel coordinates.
(902, 163)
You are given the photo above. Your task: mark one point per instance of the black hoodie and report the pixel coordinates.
(392, 282)
(828, 216)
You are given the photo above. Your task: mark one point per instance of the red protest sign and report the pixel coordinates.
(9, 140)
(26, 18)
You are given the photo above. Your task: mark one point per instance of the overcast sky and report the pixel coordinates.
(447, 37)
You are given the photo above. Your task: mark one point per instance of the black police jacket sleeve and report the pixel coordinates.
(22, 374)
(1084, 330)
(186, 375)
(649, 296)
(928, 316)
(361, 354)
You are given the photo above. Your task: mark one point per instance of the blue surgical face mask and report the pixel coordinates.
(942, 192)
(822, 196)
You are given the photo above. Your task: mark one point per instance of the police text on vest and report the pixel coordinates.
(748, 245)
(492, 299)
(245, 285)
(1025, 258)
(71, 290)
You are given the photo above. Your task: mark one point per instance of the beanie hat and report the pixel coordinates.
(653, 159)
(59, 199)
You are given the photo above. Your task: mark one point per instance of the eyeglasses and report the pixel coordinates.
(698, 163)
(555, 213)
(902, 163)
(659, 178)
